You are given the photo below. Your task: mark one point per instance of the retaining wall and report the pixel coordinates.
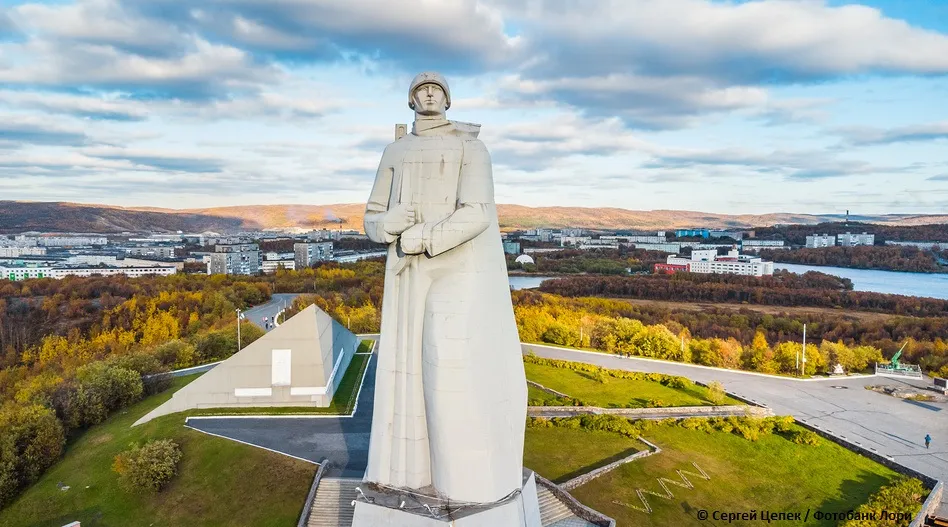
(651, 413)
(593, 474)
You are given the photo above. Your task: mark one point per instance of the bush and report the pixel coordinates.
(805, 437)
(716, 393)
(147, 468)
(156, 383)
(31, 440)
(904, 496)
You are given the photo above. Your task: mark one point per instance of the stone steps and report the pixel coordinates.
(552, 509)
(332, 503)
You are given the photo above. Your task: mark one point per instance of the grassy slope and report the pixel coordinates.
(616, 392)
(219, 482)
(544, 451)
(771, 474)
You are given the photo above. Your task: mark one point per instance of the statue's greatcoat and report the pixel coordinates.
(450, 396)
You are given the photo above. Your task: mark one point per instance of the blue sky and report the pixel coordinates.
(729, 107)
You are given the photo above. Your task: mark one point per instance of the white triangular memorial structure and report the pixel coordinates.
(300, 363)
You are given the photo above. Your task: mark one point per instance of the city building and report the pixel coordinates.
(635, 238)
(524, 259)
(698, 233)
(573, 240)
(512, 247)
(11, 252)
(757, 245)
(817, 241)
(352, 256)
(736, 235)
(272, 266)
(306, 254)
(300, 363)
(925, 246)
(852, 240)
(63, 241)
(156, 251)
(23, 272)
(243, 258)
(707, 261)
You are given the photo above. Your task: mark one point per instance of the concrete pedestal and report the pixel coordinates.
(521, 510)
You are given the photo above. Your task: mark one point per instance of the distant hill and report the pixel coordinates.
(16, 216)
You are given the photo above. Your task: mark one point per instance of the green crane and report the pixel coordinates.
(895, 358)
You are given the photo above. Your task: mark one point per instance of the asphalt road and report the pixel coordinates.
(277, 302)
(892, 426)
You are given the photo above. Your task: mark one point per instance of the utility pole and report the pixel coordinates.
(803, 366)
(238, 329)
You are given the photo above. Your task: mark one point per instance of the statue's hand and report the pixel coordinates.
(399, 218)
(412, 240)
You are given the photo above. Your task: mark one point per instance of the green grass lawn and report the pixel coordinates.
(560, 454)
(534, 393)
(772, 474)
(219, 482)
(616, 392)
(343, 401)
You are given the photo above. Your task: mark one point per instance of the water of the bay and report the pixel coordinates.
(891, 282)
(527, 282)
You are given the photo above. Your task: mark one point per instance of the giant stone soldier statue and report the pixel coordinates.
(450, 396)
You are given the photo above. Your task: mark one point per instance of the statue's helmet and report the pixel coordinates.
(429, 77)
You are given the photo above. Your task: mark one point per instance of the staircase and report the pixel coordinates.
(332, 504)
(552, 509)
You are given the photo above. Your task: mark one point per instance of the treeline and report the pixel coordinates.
(550, 320)
(689, 287)
(796, 234)
(595, 261)
(889, 258)
(79, 349)
(923, 338)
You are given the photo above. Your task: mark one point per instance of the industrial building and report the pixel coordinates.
(300, 363)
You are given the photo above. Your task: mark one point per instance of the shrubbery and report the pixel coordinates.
(31, 440)
(904, 496)
(716, 393)
(750, 428)
(148, 468)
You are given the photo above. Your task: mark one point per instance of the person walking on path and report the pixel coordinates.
(928, 440)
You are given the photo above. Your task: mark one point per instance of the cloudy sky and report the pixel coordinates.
(719, 106)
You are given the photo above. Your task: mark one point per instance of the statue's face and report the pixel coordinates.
(429, 99)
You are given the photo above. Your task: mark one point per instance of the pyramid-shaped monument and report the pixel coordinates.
(300, 363)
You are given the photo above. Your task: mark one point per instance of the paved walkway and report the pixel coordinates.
(892, 426)
(344, 440)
